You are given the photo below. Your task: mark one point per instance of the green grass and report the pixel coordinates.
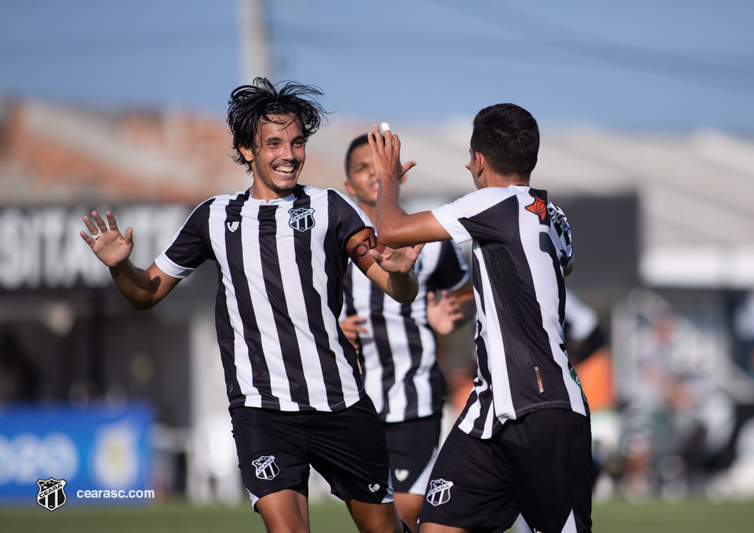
(613, 517)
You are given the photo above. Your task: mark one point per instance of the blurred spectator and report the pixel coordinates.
(664, 432)
(743, 323)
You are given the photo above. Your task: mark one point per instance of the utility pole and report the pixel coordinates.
(255, 51)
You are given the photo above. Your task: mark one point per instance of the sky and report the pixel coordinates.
(644, 64)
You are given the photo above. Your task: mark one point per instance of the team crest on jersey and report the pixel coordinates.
(266, 467)
(51, 494)
(302, 218)
(233, 226)
(539, 208)
(439, 491)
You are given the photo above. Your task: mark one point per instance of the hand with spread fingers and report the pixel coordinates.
(109, 245)
(386, 156)
(399, 260)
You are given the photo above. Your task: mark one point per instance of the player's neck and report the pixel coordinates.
(370, 210)
(507, 180)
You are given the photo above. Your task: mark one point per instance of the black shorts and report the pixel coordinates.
(347, 447)
(539, 465)
(412, 446)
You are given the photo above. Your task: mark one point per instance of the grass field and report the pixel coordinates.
(613, 517)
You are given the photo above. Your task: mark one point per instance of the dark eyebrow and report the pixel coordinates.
(280, 139)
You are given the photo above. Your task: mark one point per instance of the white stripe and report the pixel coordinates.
(252, 264)
(294, 297)
(216, 225)
(320, 203)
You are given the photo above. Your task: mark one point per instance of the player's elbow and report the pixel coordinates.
(408, 297)
(141, 305)
(389, 236)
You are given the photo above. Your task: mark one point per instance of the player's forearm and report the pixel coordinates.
(403, 288)
(135, 285)
(388, 212)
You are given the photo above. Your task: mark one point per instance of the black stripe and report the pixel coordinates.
(234, 253)
(273, 283)
(313, 302)
(415, 349)
(380, 333)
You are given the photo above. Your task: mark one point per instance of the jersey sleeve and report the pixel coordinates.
(190, 246)
(476, 215)
(452, 271)
(350, 219)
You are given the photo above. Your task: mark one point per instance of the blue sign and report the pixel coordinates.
(97, 455)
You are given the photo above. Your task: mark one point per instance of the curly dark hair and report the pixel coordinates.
(250, 104)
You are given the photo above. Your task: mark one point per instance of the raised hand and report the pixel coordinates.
(386, 156)
(108, 244)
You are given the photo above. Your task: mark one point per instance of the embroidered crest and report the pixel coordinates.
(439, 491)
(51, 494)
(302, 218)
(266, 467)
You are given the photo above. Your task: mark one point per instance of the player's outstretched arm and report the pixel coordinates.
(395, 227)
(142, 288)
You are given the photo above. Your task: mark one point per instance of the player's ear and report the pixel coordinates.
(247, 153)
(481, 161)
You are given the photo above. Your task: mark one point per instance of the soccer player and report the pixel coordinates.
(522, 443)
(399, 350)
(281, 249)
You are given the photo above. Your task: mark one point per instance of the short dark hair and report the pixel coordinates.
(361, 140)
(508, 137)
(250, 104)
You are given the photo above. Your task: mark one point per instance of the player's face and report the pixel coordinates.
(280, 156)
(362, 182)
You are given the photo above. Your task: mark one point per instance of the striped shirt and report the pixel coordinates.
(401, 374)
(521, 246)
(280, 269)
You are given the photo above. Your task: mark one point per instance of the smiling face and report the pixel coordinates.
(280, 156)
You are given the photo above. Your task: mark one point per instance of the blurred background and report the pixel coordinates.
(646, 112)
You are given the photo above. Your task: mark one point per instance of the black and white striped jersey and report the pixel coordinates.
(280, 269)
(401, 374)
(521, 246)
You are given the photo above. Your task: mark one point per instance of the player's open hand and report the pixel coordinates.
(443, 315)
(107, 243)
(386, 156)
(400, 260)
(353, 329)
